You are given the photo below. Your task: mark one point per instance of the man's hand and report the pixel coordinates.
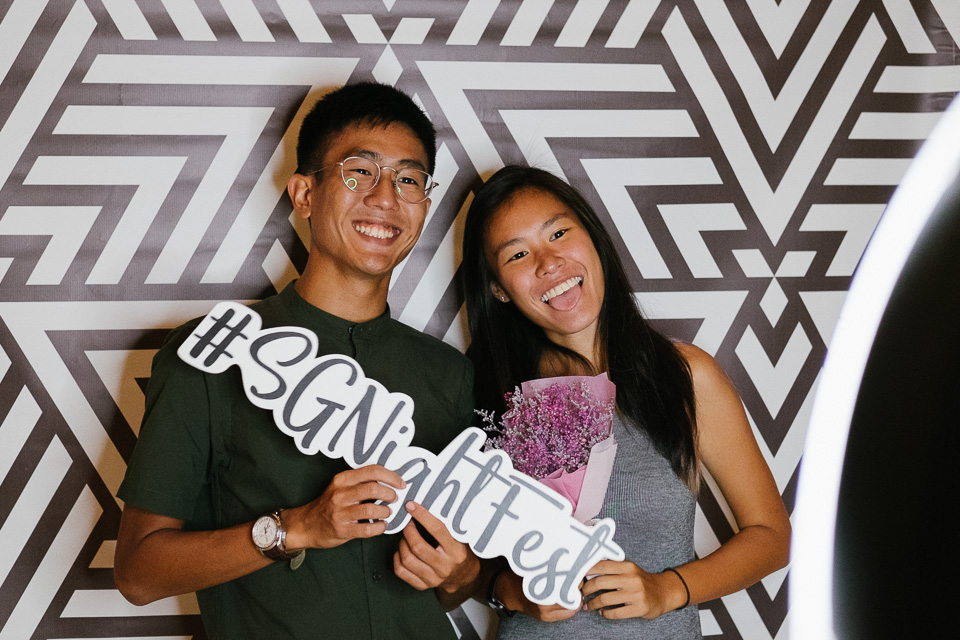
(509, 590)
(450, 566)
(346, 510)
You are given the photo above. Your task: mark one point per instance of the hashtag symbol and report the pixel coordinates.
(220, 348)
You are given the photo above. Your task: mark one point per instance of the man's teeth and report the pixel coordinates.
(563, 287)
(375, 232)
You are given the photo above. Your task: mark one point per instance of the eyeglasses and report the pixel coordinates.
(363, 174)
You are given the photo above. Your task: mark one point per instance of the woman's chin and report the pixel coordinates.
(567, 300)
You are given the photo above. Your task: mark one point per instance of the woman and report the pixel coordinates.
(546, 296)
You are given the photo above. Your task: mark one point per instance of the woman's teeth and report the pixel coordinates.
(563, 287)
(374, 232)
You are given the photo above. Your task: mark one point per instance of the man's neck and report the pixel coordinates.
(351, 298)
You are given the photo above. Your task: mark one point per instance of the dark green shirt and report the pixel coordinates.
(207, 456)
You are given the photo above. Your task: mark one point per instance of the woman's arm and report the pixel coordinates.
(728, 450)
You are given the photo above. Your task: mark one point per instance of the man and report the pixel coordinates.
(213, 480)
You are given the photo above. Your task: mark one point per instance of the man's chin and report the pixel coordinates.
(382, 262)
(379, 268)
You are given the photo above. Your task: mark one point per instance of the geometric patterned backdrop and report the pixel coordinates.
(741, 151)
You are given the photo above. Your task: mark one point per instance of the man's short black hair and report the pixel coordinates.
(364, 103)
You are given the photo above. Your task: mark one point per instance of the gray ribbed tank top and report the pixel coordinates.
(654, 512)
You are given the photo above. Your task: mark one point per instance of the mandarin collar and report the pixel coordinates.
(317, 317)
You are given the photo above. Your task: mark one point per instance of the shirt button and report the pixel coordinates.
(376, 576)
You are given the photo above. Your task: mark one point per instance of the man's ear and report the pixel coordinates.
(499, 293)
(300, 190)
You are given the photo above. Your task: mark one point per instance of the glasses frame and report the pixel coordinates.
(376, 180)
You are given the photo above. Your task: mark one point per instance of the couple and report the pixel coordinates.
(219, 501)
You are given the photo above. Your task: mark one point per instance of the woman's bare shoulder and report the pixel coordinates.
(708, 376)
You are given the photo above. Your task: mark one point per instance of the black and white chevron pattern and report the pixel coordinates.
(741, 151)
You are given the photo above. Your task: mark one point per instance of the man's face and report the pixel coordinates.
(365, 234)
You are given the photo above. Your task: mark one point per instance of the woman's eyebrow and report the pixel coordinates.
(546, 225)
(503, 245)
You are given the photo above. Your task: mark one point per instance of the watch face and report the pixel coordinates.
(265, 532)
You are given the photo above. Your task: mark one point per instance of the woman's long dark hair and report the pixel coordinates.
(654, 386)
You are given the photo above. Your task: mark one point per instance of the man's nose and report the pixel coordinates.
(384, 193)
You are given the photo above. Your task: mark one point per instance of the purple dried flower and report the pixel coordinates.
(553, 429)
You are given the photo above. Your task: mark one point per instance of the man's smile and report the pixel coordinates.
(378, 231)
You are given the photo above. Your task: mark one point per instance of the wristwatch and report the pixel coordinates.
(270, 537)
(492, 599)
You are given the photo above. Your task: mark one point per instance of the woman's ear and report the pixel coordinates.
(499, 293)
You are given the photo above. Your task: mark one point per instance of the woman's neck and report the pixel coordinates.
(553, 364)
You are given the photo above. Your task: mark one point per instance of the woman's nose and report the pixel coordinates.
(549, 263)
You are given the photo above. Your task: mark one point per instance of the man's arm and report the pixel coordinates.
(450, 568)
(156, 558)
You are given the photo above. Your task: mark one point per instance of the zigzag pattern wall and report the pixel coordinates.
(741, 152)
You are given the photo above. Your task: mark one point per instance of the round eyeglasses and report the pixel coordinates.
(362, 174)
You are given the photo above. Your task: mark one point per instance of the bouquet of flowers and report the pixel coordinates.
(559, 431)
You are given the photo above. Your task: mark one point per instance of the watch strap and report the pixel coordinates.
(492, 599)
(279, 551)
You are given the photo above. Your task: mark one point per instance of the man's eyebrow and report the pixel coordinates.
(546, 225)
(405, 163)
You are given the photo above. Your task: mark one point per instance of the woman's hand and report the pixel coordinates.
(624, 590)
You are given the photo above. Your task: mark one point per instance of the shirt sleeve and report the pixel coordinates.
(466, 403)
(169, 468)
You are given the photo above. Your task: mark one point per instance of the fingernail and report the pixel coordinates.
(411, 506)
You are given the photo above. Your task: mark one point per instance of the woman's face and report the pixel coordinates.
(545, 263)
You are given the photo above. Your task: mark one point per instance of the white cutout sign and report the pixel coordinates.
(328, 406)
